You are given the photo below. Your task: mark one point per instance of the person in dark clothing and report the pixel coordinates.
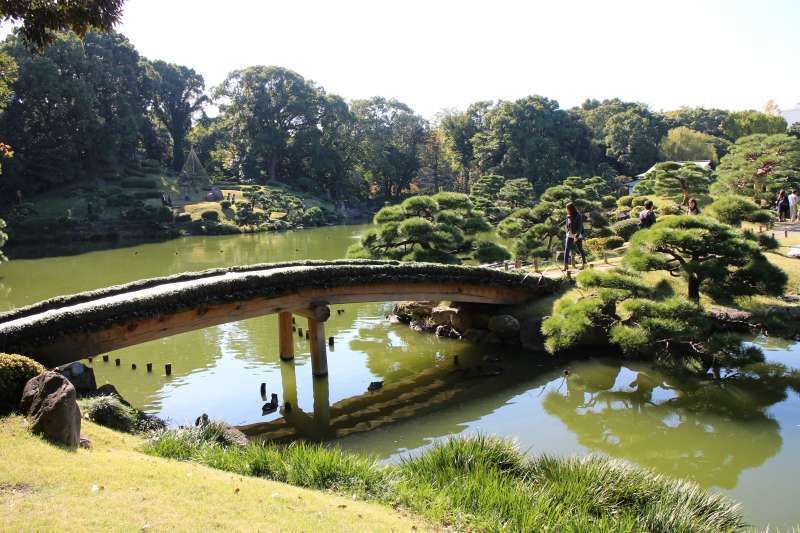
(647, 217)
(692, 209)
(782, 206)
(574, 239)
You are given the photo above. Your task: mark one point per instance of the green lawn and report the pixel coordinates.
(114, 487)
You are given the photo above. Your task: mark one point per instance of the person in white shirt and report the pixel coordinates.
(793, 206)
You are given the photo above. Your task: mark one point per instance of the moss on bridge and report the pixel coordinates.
(25, 328)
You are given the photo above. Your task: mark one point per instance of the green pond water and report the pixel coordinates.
(739, 434)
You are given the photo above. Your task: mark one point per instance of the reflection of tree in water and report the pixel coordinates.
(709, 430)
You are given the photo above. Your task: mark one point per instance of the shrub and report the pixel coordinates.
(625, 201)
(110, 412)
(315, 216)
(15, 372)
(734, 210)
(626, 228)
(222, 228)
(138, 183)
(210, 215)
(608, 201)
(490, 252)
(670, 209)
(638, 200)
(599, 244)
(183, 218)
(225, 204)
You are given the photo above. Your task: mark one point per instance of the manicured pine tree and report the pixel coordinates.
(711, 256)
(677, 181)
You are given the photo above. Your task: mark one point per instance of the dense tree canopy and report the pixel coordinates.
(684, 144)
(532, 138)
(178, 93)
(40, 20)
(389, 135)
(743, 123)
(758, 165)
(77, 110)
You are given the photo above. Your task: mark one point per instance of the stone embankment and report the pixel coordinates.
(480, 324)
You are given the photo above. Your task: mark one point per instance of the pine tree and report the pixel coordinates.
(758, 165)
(711, 256)
(680, 181)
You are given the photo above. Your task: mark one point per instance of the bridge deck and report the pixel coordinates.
(68, 328)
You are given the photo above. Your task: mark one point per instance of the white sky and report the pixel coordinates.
(440, 54)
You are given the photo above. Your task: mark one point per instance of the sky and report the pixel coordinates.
(438, 54)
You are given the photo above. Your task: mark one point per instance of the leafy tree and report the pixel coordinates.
(435, 173)
(684, 144)
(389, 135)
(711, 256)
(268, 108)
(40, 20)
(758, 165)
(177, 96)
(626, 132)
(77, 111)
(677, 181)
(743, 123)
(438, 228)
(631, 139)
(532, 137)
(458, 129)
(699, 119)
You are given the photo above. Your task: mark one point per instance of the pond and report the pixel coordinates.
(739, 435)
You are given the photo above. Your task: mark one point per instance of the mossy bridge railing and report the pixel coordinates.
(68, 328)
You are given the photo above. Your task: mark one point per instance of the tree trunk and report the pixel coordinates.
(694, 287)
(272, 167)
(178, 159)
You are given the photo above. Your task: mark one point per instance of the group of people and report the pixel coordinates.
(575, 235)
(786, 205)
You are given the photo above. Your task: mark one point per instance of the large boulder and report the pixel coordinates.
(81, 377)
(408, 311)
(455, 317)
(49, 402)
(504, 326)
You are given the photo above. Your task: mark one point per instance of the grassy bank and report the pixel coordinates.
(477, 484)
(114, 487)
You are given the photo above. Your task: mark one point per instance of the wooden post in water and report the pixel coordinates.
(133, 366)
(105, 359)
(285, 338)
(317, 316)
(117, 362)
(168, 369)
(149, 367)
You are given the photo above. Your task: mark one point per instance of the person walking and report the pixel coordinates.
(782, 206)
(793, 205)
(647, 217)
(574, 239)
(692, 209)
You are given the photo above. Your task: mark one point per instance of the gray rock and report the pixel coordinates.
(530, 335)
(81, 377)
(445, 330)
(457, 318)
(408, 311)
(49, 402)
(504, 326)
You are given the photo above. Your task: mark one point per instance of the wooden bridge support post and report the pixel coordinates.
(289, 383)
(285, 337)
(319, 351)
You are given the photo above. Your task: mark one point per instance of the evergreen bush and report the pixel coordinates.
(15, 372)
(626, 228)
(210, 216)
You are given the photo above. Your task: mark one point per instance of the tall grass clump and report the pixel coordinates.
(478, 483)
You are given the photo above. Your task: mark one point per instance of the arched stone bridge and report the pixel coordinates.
(68, 328)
